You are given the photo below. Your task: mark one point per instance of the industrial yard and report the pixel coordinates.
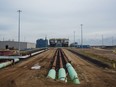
(89, 74)
(57, 43)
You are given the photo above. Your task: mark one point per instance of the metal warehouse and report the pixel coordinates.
(41, 43)
(14, 44)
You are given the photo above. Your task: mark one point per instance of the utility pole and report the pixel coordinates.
(46, 41)
(102, 41)
(3, 38)
(19, 11)
(81, 35)
(112, 40)
(74, 36)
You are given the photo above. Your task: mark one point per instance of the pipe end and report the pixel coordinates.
(52, 74)
(76, 81)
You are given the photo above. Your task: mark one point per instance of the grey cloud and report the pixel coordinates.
(59, 17)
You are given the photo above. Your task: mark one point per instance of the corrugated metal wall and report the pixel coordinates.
(41, 43)
(14, 44)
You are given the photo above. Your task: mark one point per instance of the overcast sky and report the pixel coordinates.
(58, 19)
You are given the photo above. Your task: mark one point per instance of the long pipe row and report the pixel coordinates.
(61, 72)
(55, 59)
(58, 57)
(65, 57)
(14, 59)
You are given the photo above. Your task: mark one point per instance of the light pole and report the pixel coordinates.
(81, 35)
(112, 40)
(74, 38)
(19, 11)
(46, 41)
(102, 41)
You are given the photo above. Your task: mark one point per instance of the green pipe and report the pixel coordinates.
(72, 73)
(52, 74)
(16, 60)
(4, 64)
(62, 74)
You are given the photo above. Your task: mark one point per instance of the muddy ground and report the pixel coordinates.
(21, 75)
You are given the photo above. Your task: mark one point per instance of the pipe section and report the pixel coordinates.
(72, 73)
(65, 57)
(52, 74)
(62, 75)
(61, 72)
(60, 58)
(16, 60)
(52, 71)
(4, 64)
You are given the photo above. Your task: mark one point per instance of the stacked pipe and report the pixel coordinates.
(58, 63)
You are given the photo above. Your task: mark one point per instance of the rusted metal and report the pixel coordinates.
(52, 71)
(61, 63)
(55, 59)
(65, 57)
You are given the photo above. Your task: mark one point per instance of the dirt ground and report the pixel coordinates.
(91, 75)
(102, 52)
(21, 75)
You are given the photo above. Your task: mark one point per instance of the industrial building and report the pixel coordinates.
(74, 44)
(59, 42)
(40, 43)
(15, 45)
(79, 46)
